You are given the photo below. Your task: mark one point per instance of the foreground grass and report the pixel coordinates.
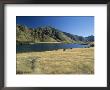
(71, 61)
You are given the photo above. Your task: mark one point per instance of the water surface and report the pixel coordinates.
(47, 47)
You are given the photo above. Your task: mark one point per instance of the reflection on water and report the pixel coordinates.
(47, 47)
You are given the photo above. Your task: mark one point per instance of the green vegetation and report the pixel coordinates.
(70, 61)
(47, 34)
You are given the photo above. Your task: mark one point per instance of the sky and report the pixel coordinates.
(77, 25)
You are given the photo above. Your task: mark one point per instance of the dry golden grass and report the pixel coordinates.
(71, 61)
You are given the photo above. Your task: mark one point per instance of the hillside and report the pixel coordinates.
(47, 34)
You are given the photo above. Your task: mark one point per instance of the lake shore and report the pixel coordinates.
(45, 42)
(70, 61)
(82, 43)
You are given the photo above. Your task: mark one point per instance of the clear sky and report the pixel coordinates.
(77, 25)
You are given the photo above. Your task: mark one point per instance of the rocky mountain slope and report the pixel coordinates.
(47, 34)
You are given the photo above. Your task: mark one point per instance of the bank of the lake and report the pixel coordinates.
(68, 61)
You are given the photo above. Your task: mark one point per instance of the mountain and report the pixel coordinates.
(50, 34)
(80, 38)
(47, 34)
(75, 37)
(90, 38)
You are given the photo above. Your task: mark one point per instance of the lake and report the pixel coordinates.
(46, 47)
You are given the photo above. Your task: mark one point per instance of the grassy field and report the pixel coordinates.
(70, 61)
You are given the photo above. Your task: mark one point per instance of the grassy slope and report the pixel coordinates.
(71, 61)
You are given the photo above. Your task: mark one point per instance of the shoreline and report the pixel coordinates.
(55, 42)
(66, 49)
